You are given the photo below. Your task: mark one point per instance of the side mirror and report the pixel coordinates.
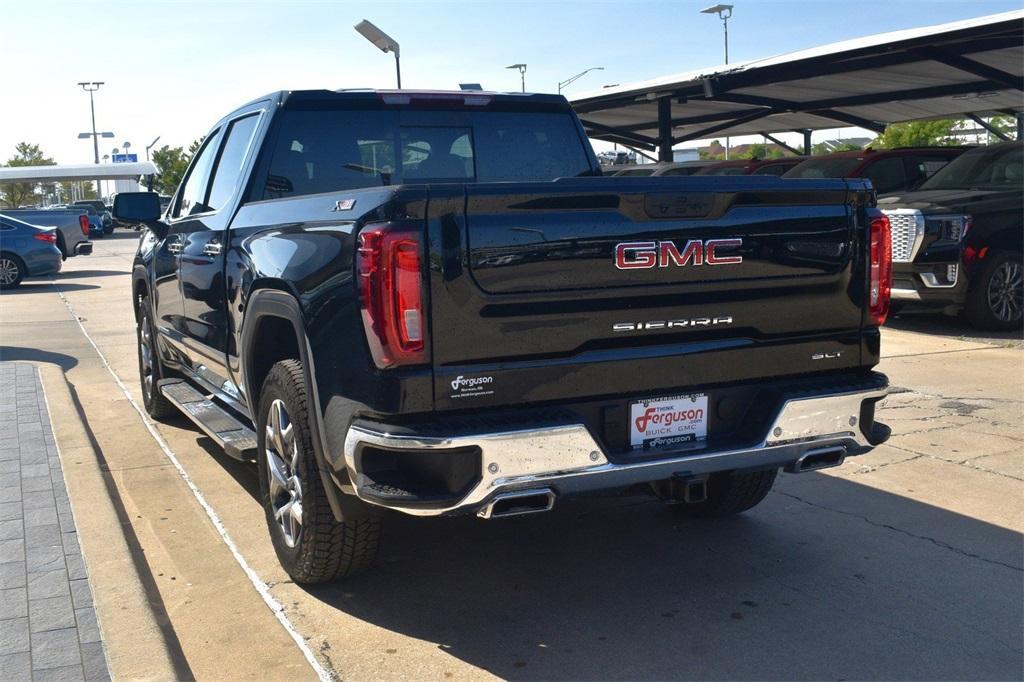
(137, 207)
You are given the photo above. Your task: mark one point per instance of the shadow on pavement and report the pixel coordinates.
(827, 579)
(926, 322)
(119, 234)
(13, 353)
(67, 274)
(45, 287)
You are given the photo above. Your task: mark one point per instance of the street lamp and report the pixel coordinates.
(383, 41)
(723, 12)
(150, 146)
(573, 79)
(91, 87)
(127, 146)
(522, 73)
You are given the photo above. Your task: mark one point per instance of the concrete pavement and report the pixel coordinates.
(905, 563)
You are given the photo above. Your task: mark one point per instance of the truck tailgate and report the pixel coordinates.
(613, 286)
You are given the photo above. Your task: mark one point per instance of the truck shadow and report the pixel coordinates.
(827, 579)
(926, 322)
(45, 287)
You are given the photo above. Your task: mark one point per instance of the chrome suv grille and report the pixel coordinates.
(907, 232)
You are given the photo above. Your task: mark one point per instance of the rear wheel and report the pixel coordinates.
(150, 369)
(12, 271)
(996, 298)
(730, 493)
(312, 546)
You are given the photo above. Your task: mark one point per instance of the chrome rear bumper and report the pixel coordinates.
(567, 459)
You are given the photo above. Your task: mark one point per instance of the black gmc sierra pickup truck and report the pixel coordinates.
(430, 302)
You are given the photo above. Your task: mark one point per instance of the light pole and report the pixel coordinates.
(723, 12)
(522, 73)
(151, 145)
(573, 79)
(127, 146)
(91, 87)
(383, 41)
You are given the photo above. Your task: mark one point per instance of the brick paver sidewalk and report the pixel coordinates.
(48, 625)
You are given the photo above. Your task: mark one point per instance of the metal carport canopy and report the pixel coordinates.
(964, 67)
(85, 171)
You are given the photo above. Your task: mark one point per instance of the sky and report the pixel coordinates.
(172, 69)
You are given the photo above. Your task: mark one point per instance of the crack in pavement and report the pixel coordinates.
(934, 541)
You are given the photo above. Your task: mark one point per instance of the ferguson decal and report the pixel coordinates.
(644, 255)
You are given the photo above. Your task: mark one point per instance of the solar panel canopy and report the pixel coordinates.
(966, 67)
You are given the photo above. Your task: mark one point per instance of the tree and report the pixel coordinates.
(937, 133)
(72, 191)
(834, 146)
(17, 194)
(713, 152)
(1007, 125)
(171, 164)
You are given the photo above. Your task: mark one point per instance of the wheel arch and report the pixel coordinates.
(272, 311)
(139, 288)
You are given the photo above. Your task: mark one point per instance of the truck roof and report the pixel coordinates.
(532, 101)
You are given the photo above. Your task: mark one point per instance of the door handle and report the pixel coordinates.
(174, 247)
(213, 249)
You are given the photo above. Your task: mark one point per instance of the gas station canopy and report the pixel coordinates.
(85, 171)
(973, 67)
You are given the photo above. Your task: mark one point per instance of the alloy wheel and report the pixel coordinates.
(146, 354)
(8, 271)
(282, 453)
(1006, 292)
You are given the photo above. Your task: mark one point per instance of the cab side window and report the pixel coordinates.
(229, 165)
(192, 197)
(887, 175)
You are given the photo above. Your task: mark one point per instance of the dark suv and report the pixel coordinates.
(889, 170)
(956, 242)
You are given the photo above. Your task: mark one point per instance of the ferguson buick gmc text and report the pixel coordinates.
(429, 302)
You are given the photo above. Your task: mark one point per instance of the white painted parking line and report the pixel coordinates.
(261, 587)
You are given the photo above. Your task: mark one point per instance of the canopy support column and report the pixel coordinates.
(665, 130)
(807, 142)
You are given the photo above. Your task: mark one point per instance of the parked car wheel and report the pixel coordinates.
(312, 546)
(730, 493)
(996, 298)
(150, 369)
(12, 270)
(62, 245)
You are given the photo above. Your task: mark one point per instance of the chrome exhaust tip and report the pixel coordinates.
(518, 503)
(822, 458)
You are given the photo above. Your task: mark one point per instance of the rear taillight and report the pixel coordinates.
(389, 269)
(48, 237)
(83, 223)
(880, 267)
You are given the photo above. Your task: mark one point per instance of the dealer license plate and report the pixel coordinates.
(665, 422)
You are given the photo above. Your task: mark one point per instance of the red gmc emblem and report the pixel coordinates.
(643, 255)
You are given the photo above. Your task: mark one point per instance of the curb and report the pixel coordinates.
(136, 643)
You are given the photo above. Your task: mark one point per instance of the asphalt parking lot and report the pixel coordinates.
(902, 564)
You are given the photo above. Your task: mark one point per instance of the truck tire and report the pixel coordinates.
(62, 245)
(150, 369)
(730, 493)
(12, 271)
(994, 300)
(312, 546)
